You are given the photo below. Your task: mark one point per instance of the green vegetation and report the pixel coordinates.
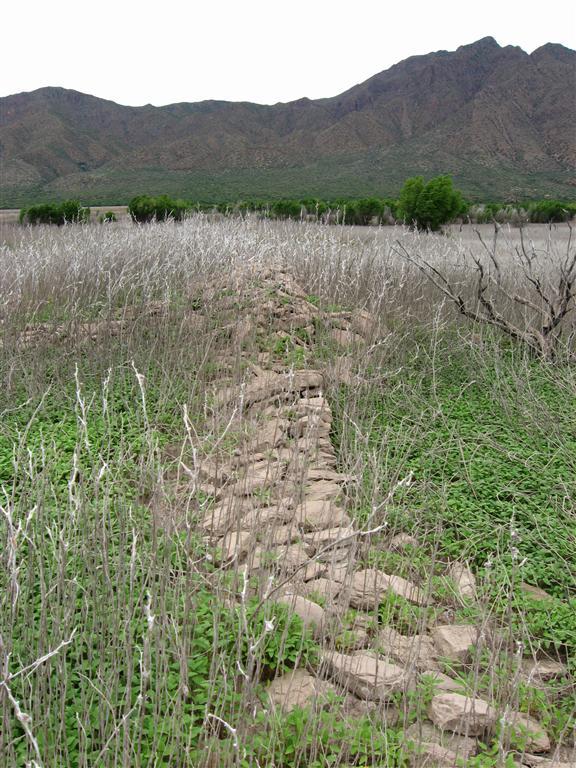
(547, 701)
(362, 212)
(429, 205)
(491, 445)
(144, 208)
(123, 639)
(70, 211)
(552, 621)
(90, 449)
(425, 205)
(550, 211)
(107, 217)
(315, 740)
(377, 173)
(534, 212)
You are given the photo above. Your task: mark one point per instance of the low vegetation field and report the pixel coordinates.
(269, 498)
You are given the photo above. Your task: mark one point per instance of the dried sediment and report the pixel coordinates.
(279, 513)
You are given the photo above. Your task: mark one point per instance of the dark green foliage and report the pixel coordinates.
(307, 739)
(106, 605)
(409, 197)
(183, 692)
(370, 210)
(492, 451)
(551, 211)
(364, 211)
(400, 613)
(70, 211)
(107, 217)
(490, 756)
(286, 209)
(144, 208)
(551, 703)
(314, 207)
(536, 212)
(552, 622)
(490, 212)
(429, 205)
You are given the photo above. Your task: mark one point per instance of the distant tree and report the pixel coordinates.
(71, 210)
(314, 207)
(366, 210)
(520, 213)
(144, 208)
(68, 212)
(550, 211)
(286, 209)
(408, 200)
(429, 205)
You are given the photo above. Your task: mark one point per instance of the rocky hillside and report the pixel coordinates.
(500, 120)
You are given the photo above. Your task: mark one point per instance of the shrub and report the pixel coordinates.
(550, 211)
(144, 208)
(70, 211)
(315, 208)
(286, 209)
(517, 214)
(107, 217)
(364, 211)
(430, 205)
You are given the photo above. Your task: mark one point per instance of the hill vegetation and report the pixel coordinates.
(416, 118)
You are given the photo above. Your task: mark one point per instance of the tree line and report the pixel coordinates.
(423, 205)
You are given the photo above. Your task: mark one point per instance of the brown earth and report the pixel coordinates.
(276, 513)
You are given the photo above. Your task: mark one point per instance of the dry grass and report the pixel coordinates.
(117, 636)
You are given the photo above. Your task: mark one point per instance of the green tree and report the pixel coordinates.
(286, 209)
(429, 205)
(367, 209)
(550, 211)
(70, 211)
(144, 208)
(409, 197)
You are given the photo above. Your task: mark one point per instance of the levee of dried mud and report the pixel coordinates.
(278, 516)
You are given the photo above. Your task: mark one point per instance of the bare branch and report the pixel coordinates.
(491, 253)
(552, 305)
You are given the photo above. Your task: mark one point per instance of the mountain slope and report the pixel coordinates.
(500, 120)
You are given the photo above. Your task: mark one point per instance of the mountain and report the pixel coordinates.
(501, 121)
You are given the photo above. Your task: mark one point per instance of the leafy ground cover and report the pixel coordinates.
(149, 656)
(156, 646)
(490, 442)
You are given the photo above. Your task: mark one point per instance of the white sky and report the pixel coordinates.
(257, 50)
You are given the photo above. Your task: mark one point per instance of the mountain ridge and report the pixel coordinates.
(496, 118)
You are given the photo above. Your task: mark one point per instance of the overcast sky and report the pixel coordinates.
(258, 50)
